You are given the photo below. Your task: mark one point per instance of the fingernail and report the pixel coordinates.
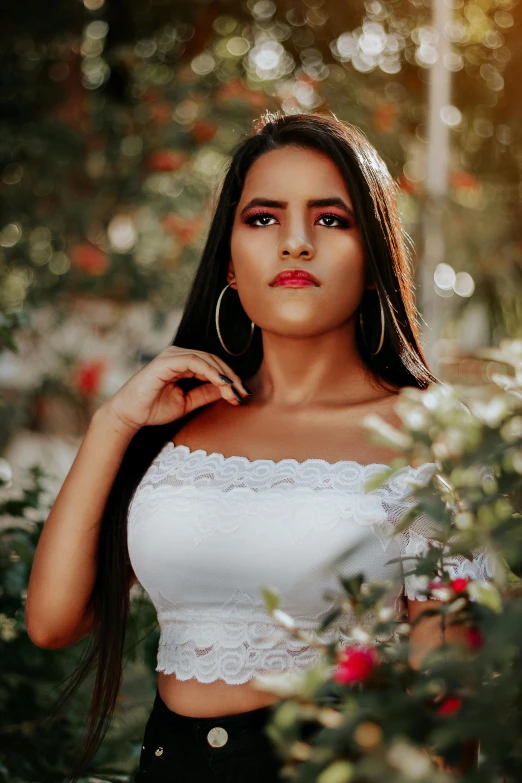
(245, 387)
(237, 395)
(226, 379)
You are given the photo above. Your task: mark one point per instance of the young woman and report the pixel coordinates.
(204, 472)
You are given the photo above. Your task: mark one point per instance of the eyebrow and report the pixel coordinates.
(316, 202)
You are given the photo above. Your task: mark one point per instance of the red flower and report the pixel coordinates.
(203, 132)
(162, 113)
(89, 259)
(165, 160)
(236, 89)
(184, 228)
(384, 116)
(87, 376)
(459, 584)
(355, 665)
(463, 179)
(406, 185)
(450, 706)
(474, 638)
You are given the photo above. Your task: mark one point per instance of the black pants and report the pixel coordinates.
(179, 749)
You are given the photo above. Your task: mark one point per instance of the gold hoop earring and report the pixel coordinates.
(382, 328)
(218, 305)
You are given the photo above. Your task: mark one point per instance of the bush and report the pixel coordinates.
(458, 712)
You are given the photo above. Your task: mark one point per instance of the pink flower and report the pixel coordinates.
(355, 665)
(450, 706)
(459, 584)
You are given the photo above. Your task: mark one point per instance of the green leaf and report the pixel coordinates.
(486, 593)
(338, 772)
(271, 597)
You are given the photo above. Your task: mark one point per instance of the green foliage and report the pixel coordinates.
(398, 720)
(34, 747)
(9, 324)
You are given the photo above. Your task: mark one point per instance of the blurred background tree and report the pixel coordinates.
(117, 119)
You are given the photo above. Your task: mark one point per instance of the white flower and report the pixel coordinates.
(440, 450)
(511, 431)
(511, 351)
(360, 635)
(485, 593)
(386, 433)
(330, 717)
(33, 514)
(47, 498)
(415, 418)
(411, 761)
(6, 471)
(285, 684)
(7, 628)
(284, 619)
(491, 412)
(17, 493)
(441, 593)
(464, 520)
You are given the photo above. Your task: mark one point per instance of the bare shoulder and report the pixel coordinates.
(258, 432)
(208, 419)
(386, 408)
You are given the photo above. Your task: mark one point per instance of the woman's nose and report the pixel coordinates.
(296, 247)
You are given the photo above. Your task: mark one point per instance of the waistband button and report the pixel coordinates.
(217, 737)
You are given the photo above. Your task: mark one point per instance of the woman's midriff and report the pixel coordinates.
(211, 699)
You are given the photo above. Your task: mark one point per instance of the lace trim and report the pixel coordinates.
(238, 641)
(201, 468)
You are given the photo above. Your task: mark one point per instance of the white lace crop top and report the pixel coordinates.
(205, 532)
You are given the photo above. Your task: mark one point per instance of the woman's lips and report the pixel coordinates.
(294, 278)
(294, 282)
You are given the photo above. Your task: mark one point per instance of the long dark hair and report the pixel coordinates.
(400, 362)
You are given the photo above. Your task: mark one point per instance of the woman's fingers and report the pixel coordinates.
(224, 369)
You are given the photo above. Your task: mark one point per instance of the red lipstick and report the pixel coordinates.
(294, 277)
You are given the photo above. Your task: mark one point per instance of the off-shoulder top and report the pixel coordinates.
(206, 532)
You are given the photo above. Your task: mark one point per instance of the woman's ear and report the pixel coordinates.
(369, 284)
(230, 273)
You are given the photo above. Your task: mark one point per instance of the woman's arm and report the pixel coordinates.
(429, 633)
(64, 566)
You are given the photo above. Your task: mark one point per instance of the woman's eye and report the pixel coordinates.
(261, 216)
(341, 223)
(264, 217)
